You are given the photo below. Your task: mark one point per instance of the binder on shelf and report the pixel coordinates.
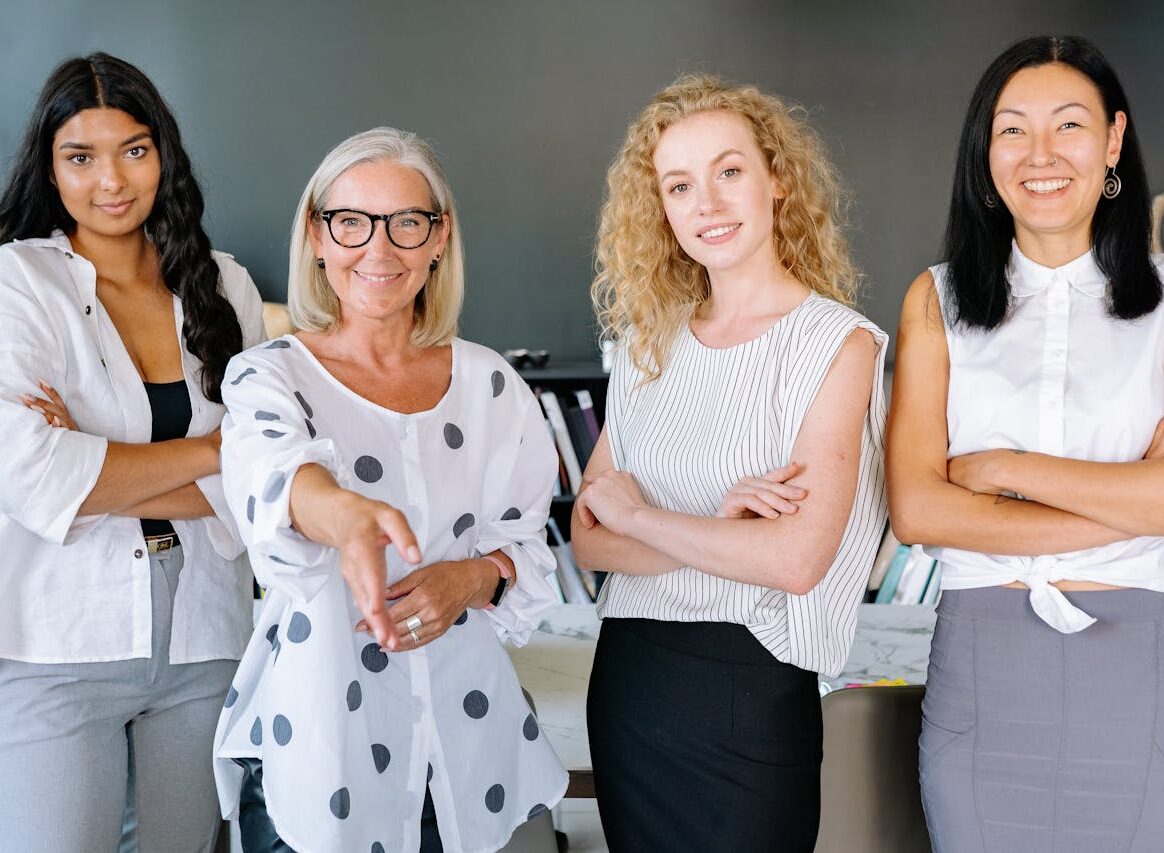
(885, 555)
(569, 577)
(579, 435)
(892, 575)
(586, 406)
(557, 421)
(915, 575)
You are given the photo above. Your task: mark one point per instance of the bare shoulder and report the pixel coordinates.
(922, 304)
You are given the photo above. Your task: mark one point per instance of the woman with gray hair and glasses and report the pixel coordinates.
(392, 482)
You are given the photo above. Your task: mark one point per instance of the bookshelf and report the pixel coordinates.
(562, 379)
(572, 395)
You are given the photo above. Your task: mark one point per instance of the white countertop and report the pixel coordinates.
(892, 642)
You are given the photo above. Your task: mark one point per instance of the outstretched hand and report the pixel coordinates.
(370, 527)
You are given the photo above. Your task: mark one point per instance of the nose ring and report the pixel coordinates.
(1054, 161)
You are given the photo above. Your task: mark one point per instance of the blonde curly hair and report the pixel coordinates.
(644, 281)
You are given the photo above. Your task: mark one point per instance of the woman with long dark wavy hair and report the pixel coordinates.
(1024, 451)
(124, 595)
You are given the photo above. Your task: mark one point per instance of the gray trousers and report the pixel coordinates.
(1039, 742)
(66, 732)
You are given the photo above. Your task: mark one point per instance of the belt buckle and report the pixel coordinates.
(158, 544)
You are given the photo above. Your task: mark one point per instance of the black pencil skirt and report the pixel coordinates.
(701, 740)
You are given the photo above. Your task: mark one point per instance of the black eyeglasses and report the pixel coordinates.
(406, 229)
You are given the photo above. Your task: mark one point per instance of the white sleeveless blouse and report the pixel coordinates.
(1059, 376)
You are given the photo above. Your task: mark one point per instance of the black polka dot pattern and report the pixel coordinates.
(454, 438)
(341, 803)
(281, 729)
(273, 433)
(299, 628)
(511, 514)
(231, 697)
(529, 700)
(530, 728)
(279, 344)
(495, 798)
(536, 810)
(304, 405)
(266, 416)
(273, 635)
(476, 704)
(257, 732)
(310, 429)
(377, 847)
(373, 658)
(369, 469)
(463, 618)
(429, 779)
(248, 372)
(380, 757)
(251, 509)
(463, 523)
(275, 558)
(274, 486)
(498, 380)
(355, 696)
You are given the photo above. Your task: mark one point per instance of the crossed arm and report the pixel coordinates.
(957, 503)
(781, 530)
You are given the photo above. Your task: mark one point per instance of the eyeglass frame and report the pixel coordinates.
(386, 218)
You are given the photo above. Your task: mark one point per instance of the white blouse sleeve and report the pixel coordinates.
(266, 438)
(45, 472)
(524, 481)
(242, 294)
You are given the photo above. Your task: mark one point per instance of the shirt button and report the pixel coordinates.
(102, 362)
(138, 554)
(88, 309)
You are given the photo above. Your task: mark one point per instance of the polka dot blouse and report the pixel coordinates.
(350, 736)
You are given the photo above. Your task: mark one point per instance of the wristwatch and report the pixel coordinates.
(504, 582)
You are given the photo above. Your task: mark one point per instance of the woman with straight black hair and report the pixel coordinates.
(1025, 451)
(124, 595)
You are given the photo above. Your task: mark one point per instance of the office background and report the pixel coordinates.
(526, 102)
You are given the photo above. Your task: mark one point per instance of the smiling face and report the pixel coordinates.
(718, 191)
(106, 169)
(1050, 147)
(378, 280)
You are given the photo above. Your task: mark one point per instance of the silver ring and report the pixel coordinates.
(415, 638)
(413, 624)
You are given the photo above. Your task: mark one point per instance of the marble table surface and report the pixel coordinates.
(892, 642)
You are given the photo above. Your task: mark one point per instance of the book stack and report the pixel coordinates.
(574, 426)
(575, 585)
(904, 574)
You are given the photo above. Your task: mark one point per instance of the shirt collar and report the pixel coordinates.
(57, 240)
(1028, 278)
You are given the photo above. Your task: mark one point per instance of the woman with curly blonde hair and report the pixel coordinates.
(736, 493)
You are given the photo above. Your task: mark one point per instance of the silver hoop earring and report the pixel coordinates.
(1112, 184)
(991, 201)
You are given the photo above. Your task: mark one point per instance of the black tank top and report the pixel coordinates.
(170, 405)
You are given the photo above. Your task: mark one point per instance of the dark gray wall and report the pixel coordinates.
(527, 102)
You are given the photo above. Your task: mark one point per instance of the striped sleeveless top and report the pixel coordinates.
(717, 415)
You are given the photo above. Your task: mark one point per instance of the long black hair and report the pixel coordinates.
(31, 206)
(978, 236)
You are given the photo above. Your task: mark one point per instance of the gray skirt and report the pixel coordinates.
(1042, 742)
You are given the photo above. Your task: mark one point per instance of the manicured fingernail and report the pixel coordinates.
(413, 554)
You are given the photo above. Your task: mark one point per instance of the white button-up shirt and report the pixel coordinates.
(1060, 376)
(76, 589)
(350, 736)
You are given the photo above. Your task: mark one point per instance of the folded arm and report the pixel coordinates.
(924, 504)
(792, 551)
